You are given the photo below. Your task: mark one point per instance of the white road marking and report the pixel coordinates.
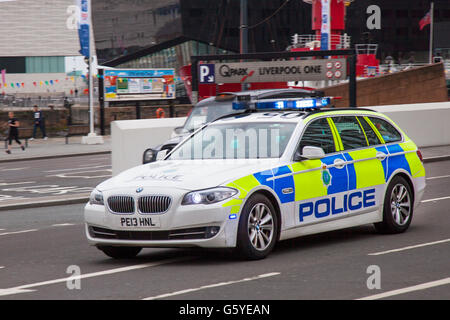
(14, 169)
(49, 189)
(15, 183)
(422, 286)
(435, 199)
(2, 267)
(27, 287)
(77, 169)
(410, 247)
(220, 284)
(75, 174)
(438, 177)
(17, 232)
(62, 224)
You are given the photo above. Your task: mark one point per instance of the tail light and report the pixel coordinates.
(419, 154)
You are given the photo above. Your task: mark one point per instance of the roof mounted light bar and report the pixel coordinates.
(282, 104)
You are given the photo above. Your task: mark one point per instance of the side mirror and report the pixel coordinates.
(149, 156)
(178, 130)
(161, 155)
(309, 153)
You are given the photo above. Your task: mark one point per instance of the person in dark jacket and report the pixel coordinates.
(13, 125)
(39, 121)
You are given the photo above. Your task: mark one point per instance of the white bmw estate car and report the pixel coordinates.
(275, 169)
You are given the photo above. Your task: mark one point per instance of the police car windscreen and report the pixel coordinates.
(237, 141)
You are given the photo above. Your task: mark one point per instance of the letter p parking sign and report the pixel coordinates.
(206, 73)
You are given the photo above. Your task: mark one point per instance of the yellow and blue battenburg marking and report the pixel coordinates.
(311, 179)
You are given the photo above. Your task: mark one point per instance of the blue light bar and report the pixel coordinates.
(301, 104)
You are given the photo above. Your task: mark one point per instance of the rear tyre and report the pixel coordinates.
(398, 207)
(258, 228)
(121, 252)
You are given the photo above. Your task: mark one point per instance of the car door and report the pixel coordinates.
(365, 157)
(321, 184)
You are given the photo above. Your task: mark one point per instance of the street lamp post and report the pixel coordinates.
(92, 137)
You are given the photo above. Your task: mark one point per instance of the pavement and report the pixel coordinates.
(54, 148)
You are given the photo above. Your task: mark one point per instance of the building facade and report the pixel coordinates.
(126, 29)
(39, 49)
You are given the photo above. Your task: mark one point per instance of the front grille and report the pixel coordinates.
(154, 204)
(179, 234)
(121, 204)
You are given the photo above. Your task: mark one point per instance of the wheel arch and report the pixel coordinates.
(408, 179)
(273, 199)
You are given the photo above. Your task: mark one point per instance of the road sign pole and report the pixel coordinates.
(352, 81)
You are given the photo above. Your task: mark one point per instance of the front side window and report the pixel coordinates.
(351, 133)
(318, 134)
(236, 141)
(387, 130)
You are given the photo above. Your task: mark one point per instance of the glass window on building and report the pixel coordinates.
(45, 65)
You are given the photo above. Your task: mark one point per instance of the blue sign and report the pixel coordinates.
(206, 73)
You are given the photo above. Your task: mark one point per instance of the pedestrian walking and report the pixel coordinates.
(13, 125)
(39, 122)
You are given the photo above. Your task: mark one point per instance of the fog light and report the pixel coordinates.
(212, 231)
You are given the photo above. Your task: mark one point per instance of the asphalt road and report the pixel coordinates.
(58, 177)
(40, 246)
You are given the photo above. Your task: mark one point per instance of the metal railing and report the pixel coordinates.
(313, 41)
(9, 100)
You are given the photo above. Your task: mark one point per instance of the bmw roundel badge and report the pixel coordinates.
(139, 190)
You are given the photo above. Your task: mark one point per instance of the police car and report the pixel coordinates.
(272, 170)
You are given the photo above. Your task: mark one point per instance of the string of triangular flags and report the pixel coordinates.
(50, 82)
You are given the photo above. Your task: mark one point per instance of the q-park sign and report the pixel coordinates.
(277, 71)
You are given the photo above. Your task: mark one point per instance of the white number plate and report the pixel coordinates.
(138, 222)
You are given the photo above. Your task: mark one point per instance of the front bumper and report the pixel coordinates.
(207, 226)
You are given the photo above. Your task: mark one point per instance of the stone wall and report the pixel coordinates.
(418, 85)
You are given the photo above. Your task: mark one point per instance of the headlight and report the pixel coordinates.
(208, 196)
(96, 197)
(149, 156)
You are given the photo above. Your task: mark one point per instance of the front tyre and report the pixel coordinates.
(258, 228)
(120, 252)
(398, 207)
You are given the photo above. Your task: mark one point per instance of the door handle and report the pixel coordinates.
(339, 163)
(381, 156)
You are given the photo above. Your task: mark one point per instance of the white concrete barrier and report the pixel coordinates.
(130, 138)
(427, 124)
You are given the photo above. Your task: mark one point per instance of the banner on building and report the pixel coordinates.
(83, 28)
(326, 26)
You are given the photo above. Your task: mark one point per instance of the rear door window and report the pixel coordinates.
(351, 133)
(371, 136)
(387, 130)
